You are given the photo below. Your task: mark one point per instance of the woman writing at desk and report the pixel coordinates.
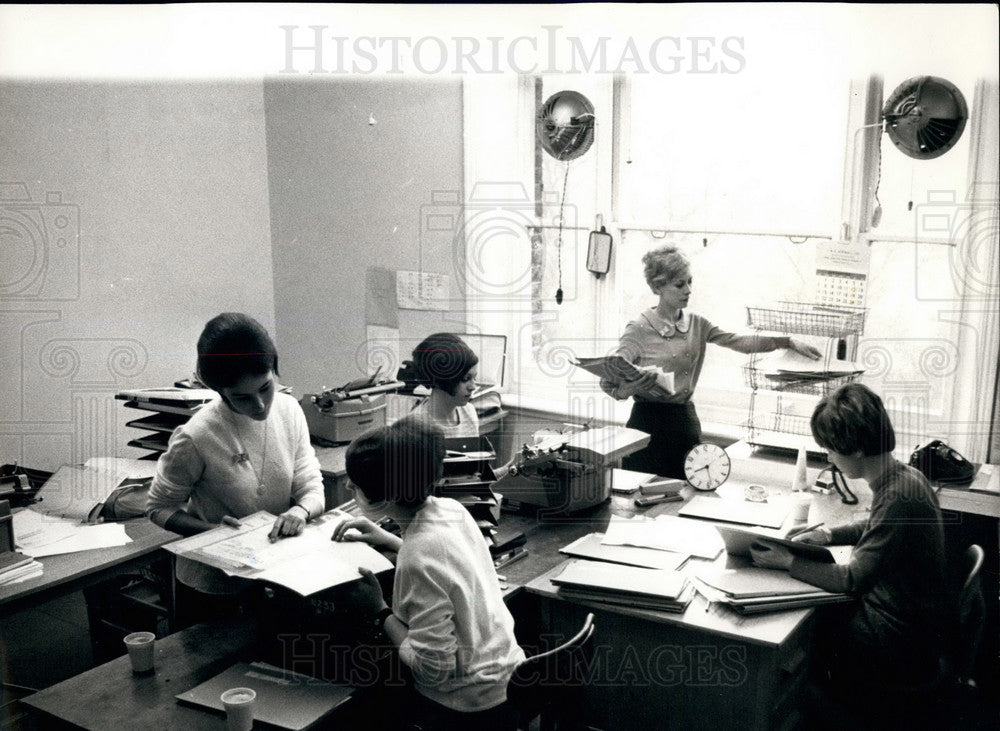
(247, 451)
(897, 566)
(670, 337)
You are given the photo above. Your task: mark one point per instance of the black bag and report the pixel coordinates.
(941, 463)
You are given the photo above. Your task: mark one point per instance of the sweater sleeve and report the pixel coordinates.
(307, 480)
(868, 559)
(430, 648)
(750, 343)
(177, 471)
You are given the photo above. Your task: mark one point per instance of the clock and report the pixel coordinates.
(706, 466)
(599, 252)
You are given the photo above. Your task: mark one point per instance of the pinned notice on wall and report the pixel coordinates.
(422, 290)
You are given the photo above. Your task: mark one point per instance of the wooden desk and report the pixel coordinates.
(111, 697)
(69, 572)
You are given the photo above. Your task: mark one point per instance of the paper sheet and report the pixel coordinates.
(665, 533)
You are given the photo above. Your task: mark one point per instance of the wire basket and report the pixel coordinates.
(755, 378)
(778, 422)
(803, 318)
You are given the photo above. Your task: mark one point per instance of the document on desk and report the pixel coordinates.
(591, 546)
(664, 533)
(37, 534)
(306, 563)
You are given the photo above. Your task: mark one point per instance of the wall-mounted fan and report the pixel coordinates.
(565, 125)
(925, 116)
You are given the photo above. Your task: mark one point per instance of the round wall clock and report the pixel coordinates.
(706, 466)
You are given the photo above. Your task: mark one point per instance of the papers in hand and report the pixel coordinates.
(306, 563)
(664, 533)
(616, 369)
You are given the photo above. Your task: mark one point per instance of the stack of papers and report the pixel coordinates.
(788, 367)
(664, 533)
(16, 567)
(756, 590)
(668, 591)
(617, 370)
(78, 492)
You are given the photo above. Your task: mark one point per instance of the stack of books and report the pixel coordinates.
(755, 590)
(667, 591)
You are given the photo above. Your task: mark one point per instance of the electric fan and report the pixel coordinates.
(925, 116)
(565, 125)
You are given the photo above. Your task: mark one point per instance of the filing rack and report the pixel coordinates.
(786, 424)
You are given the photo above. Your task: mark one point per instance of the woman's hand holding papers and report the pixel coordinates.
(364, 530)
(628, 389)
(771, 556)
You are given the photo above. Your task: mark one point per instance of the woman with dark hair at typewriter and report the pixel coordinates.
(448, 365)
(247, 451)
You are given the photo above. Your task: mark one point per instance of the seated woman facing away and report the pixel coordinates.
(448, 618)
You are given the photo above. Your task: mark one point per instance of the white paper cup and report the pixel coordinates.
(239, 703)
(800, 507)
(140, 651)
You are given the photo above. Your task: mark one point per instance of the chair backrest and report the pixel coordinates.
(539, 677)
(970, 611)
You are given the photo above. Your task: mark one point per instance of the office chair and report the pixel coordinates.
(969, 616)
(543, 684)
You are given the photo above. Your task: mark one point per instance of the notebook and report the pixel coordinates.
(284, 699)
(739, 540)
(615, 579)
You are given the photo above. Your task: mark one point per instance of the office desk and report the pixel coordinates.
(69, 572)
(707, 668)
(111, 697)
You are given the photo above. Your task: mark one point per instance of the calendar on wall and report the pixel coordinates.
(840, 288)
(841, 273)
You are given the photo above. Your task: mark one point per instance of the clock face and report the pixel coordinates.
(706, 466)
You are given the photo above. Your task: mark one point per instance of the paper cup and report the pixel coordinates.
(239, 703)
(800, 507)
(140, 651)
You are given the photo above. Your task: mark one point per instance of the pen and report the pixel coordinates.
(800, 531)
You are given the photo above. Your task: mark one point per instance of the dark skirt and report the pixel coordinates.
(673, 428)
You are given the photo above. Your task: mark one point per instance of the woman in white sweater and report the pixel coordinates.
(247, 451)
(448, 618)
